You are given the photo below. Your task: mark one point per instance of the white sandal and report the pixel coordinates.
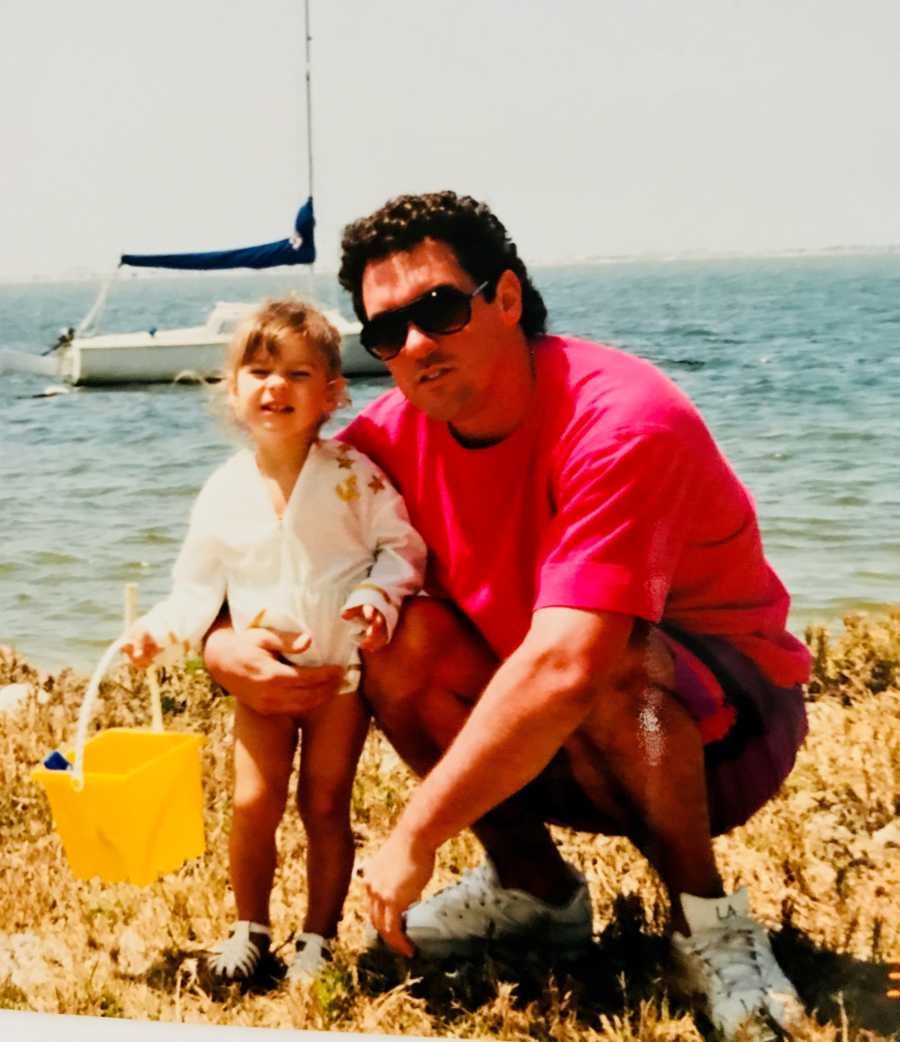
(313, 952)
(237, 958)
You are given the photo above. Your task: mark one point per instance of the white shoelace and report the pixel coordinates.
(731, 954)
(474, 885)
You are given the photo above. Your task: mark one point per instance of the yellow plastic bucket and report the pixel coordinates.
(140, 812)
(132, 808)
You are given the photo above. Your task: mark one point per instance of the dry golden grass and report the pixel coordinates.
(819, 861)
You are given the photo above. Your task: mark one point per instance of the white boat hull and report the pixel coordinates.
(195, 353)
(145, 361)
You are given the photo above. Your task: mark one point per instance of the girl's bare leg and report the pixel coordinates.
(263, 755)
(333, 737)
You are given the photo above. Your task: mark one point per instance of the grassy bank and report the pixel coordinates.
(819, 861)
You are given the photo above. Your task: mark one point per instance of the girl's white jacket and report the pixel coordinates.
(344, 540)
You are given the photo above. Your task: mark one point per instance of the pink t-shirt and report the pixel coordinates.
(611, 495)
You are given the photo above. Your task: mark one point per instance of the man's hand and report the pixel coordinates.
(248, 665)
(394, 878)
(374, 637)
(292, 641)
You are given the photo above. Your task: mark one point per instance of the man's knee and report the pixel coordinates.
(630, 684)
(433, 647)
(424, 622)
(636, 724)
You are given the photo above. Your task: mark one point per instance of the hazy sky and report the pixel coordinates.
(594, 127)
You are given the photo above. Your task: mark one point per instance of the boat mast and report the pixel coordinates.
(309, 150)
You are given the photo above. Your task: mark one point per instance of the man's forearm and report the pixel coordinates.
(533, 703)
(492, 758)
(512, 734)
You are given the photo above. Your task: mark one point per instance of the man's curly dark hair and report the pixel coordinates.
(476, 236)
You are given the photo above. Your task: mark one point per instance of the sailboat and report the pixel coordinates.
(83, 357)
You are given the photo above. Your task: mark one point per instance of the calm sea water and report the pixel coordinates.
(795, 363)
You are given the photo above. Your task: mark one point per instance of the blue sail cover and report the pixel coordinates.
(299, 249)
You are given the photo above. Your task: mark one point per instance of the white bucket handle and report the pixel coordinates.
(90, 697)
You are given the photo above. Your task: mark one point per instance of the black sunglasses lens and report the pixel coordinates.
(385, 334)
(444, 310)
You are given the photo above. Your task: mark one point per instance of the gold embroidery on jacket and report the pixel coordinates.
(348, 490)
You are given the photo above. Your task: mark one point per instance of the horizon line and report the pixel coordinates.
(653, 256)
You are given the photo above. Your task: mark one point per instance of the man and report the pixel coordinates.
(604, 647)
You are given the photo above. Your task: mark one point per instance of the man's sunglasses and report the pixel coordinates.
(444, 309)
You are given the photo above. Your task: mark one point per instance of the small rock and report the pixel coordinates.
(889, 836)
(133, 957)
(388, 760)
(29, 960)
(12, 696)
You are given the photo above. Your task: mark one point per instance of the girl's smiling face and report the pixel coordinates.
(284, 395)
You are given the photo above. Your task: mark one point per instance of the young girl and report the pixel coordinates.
(306, 536)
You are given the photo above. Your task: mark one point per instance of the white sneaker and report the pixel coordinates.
(237, 958)
(312, 953)
(728, 965)
(460, 919)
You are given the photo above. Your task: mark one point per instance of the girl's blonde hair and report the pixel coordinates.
(277, 322)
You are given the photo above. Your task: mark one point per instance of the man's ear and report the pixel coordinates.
(508, 295)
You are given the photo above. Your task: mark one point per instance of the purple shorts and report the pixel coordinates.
(766, 724)
(751, 731)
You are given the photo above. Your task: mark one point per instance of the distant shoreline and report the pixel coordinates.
(642, 257)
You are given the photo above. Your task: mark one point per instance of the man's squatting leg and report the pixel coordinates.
(421, 688)
(638, 757)
(636, 763)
